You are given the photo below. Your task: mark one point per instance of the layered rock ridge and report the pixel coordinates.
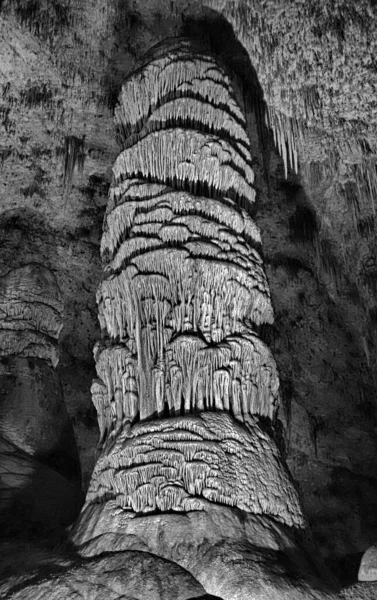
(31, 314)
(186, 389)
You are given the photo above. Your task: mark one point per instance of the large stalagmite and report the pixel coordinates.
(187, 392)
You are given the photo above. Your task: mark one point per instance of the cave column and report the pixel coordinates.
(187, 392)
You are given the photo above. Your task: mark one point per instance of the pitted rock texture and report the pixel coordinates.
(315, 63)
(359, 591)
(368, 565)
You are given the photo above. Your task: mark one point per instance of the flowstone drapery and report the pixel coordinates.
(185, 382)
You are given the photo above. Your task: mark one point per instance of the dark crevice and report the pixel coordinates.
(197, 188)
(216, 34)
(189, 123)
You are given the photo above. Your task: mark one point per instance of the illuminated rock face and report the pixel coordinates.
(184, 280)
(185, 382)
(179, 463)
(184, 286)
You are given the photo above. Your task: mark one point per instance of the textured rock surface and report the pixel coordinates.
(124, 576)
(182, 295)
(359, 591)
(183, 538)
(179, 463)
(35, 500)
(177, 306)
(61, 67)
(210, 543)
(38, 454)
(368, 565)
(33, 415)
(31, 313)
(132, 576)
(265, 552)
(182, 287)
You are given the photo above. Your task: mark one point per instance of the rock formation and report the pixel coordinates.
(37, 446)
(188, 393)
(306, 81)
(31, 314)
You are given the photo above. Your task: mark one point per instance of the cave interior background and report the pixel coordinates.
(306, 78)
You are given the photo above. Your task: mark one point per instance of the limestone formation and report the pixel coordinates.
(31, 314)
(184, 277)
(368, 565)
(184, 281)
(178, 463)
(136, 576)
(306, 69)
(187, 392)
(38, 454)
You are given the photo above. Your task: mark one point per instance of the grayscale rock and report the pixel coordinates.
(184, 379)
(368, 565)
(188, 188)
(37, 444)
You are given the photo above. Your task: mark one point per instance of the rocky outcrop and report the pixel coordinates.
(188, 393)
(130, 576)
(359, 591)
(368, 565)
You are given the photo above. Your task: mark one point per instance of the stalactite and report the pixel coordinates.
(180, 72)
(286, 137)
(213, 163)
(74, 156)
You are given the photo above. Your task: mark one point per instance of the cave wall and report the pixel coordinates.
(62, 67)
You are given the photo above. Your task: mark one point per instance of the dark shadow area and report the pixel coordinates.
(36, 502)
(346, 568)
(40, 495)
(216, 34)
(298, 254)
(303, 225)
